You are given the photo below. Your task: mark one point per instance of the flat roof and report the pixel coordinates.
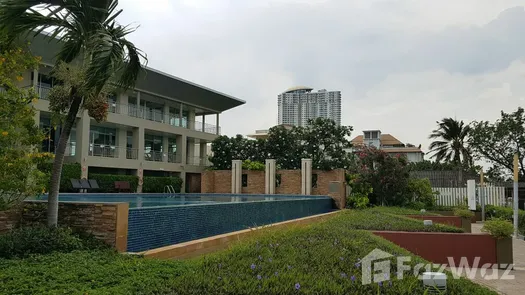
(154, 81)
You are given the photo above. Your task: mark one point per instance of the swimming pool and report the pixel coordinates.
(157, 200)
(157, 220)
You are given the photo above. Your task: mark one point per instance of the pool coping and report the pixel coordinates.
(211, 244)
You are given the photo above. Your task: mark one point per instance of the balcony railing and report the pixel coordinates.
(106, 151)
(153, 156)
(174, 158)
(198, 161)
(43, 91)
(207, 128)
(132, 154)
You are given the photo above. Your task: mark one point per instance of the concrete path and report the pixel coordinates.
(514, 286)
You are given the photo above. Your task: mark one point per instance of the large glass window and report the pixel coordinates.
(112, 102)
(172, 151)
(174, 119)
(152, 111)
(153, 148)
(102, 141)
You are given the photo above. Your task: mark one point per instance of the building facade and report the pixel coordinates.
(299, 104)
(157, 129)
(389, 144)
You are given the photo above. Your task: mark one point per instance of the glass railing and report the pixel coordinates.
(198, 161)
(43, 91)
(207, 128)
(101, 150)
(174, 158)
(153, 156)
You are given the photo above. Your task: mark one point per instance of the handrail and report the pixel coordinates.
(169, 188)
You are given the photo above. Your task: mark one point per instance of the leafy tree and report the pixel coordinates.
(327, 144)
(89, 37)
(284, 145)
(451, 142)
(498, 142)
(19, 135)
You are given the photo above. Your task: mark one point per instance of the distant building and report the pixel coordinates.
(299, 104)
(263, 133)
(389, 144)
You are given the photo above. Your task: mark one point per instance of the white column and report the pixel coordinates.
(122, 140)
(138, 142)
(166, 116)
(236, 176)
(82, 146)
(471, 194)
(191, 119)
(203, 152)
(35, 79)
(190, 150)
(122, 107)
(306, 176)
(269, 177)
(217, 131)
(164, 148)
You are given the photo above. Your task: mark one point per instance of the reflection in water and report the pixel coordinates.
(146, 200)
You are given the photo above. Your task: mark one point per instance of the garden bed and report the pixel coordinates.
(322, 258)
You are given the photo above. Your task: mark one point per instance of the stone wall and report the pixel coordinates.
(324, 178)
(217, 181)
(8, 220)
(106, 221)
(290, 182)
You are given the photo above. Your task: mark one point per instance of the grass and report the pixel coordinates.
(401, 211)
(316, 259)
(378, 219)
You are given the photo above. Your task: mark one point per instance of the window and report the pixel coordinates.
(245, 180)
(102, 141)
(277, 180)
(314, 180)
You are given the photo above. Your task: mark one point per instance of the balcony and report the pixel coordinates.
(198, 161)
(153, 156)
(174, 158)
(43, 92)
(111, 151)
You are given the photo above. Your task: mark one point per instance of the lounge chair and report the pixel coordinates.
(122, 186)
(94, 184)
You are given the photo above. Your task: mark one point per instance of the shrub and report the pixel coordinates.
(69, 171)
(421, 192)
(358, 197)
(506, 213)
(401, 211)
(498, 228)
(24, 241)
(106, 182)
(253, 165)
(463, 213)
(157, 184)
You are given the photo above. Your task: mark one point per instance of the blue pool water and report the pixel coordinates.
(154, 200)
(157, 220)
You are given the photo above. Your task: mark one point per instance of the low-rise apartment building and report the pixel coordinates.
(389, 144)
(156, 129)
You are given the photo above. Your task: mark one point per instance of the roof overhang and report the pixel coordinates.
(154, 82)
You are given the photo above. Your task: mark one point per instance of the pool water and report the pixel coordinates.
(155, 200)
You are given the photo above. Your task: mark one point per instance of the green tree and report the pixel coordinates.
(91, 39)
(498, 142)
(19, 135)
(450, 143)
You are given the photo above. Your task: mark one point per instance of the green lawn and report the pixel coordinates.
(316, 259)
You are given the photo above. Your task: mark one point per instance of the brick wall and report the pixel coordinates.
(290, 182)
(219, 181)
(255, 182)
(106, 221)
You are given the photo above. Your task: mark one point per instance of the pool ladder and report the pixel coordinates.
(169, 189)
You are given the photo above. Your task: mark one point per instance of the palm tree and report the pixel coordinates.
(450, 146)
(91, 40)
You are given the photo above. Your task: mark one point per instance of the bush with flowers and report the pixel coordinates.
(19, 135)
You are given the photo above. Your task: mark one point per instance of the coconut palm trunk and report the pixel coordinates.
(60, 153)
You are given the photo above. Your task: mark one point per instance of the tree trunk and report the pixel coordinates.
(52, 201)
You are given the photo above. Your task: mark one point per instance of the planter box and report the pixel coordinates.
(447, 220)
(474, 219)
(504, 252)
(466, 224)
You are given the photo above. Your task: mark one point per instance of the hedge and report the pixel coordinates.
(507, 214)
(156, 184)
(69, 171)
(106, 182)
(322, 258)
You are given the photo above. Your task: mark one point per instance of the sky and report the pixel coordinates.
(401, 65)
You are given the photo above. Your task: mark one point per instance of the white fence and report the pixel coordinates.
(452, 196)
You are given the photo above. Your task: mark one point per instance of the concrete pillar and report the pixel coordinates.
(138, 142)
(122, 140)
(180, 115)
(140, 174)
(306, 176)
(164, 148)
(35, 79)
(269, 177)
(190, 150)
(191, 119)
(36, 117)
(166, 115)
(203, 150)
(82, 146)
(236, 176)
(139, 110)
(122, 104)
(217, 130)
(183, 177)
(203, 123)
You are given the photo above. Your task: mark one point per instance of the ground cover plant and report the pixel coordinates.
(323, 258)
(401, 211)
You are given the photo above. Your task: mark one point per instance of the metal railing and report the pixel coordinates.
(132, 154)
(207, 128)
(102, 150)
(43, 91)
(153, 156)
(198, 161)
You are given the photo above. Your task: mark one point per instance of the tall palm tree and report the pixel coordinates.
(450, 144)
(91, 39)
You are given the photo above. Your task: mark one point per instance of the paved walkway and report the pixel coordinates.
(508, 287)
